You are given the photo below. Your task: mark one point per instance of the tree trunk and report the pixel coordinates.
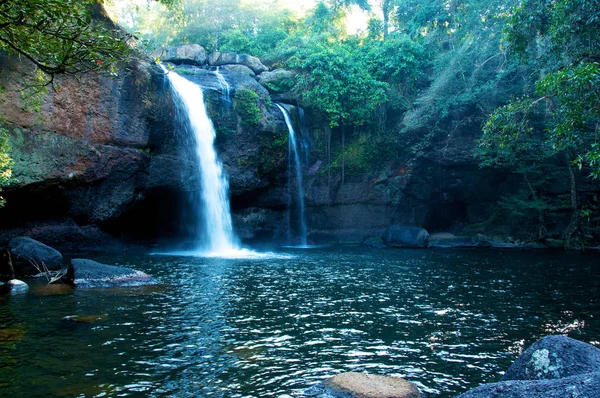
(328, 133)
(574, 224)
(541, 219)
(386, 7)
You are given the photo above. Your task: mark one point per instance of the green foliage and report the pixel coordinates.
(560, 40)
(5, 162)
(336, 82)
(246, 104)
(60, 37)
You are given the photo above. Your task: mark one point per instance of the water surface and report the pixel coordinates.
(447, 320)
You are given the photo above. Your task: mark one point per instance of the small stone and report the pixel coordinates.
(18, 286)
(362, 385)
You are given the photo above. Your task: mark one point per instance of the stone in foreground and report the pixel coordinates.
(30, 256)
(554, 357)
(402, 236)
(580, 386)
(361, 385)
(91, 274)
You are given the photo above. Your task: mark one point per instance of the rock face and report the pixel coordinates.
(193, 54)
(25, 252)
(554, 357)
(553, 367)
(277, 81)
(91, 274)
(401, 236)
(240, 69)
(361, 385)
(218, 58)
(586, 385)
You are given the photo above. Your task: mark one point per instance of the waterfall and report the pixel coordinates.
(225, 89)
(293, 152)
(215, 233)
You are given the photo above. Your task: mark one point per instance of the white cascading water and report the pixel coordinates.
(224, 86)
(293, 151)
(216, 236)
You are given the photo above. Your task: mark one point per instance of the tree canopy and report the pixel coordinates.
(60, 36)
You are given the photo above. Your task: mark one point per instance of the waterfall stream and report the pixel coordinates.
(293, 153)
(225, 88)
(215, 233)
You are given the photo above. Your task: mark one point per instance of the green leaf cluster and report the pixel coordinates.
(6, 163)
(247, 105)
(60, 36)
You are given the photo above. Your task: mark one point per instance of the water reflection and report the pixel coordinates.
(446, 320)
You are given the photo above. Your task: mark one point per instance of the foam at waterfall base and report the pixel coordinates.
(230, 253)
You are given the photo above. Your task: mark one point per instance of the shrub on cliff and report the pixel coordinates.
(246, 105)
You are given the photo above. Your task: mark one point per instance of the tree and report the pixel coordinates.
(5, 163)
(561, 107)
(61, 36)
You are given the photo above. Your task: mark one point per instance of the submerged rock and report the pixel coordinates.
(456, 242)
(402, 236)
(90, 274)
(554, 357)
(30, 256)
(584, 386)
(361, 385)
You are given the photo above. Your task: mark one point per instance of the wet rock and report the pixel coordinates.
(85, 318)
(30, 256)
(239, 69)
(402, 236)
(218, 58)
(17, 286)
(554, 357)
(456, 242)
(11, 335)
(193, 54)
(361, 385)
(504, 245)
(584, 386)
(374, 243)
(278, 81)
(91, 274)
(555, 243)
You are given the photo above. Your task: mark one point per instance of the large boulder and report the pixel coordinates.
(218, 58)
(29, 256)
(91, 274)
(278, 81)
(554, 357)
(584, 386)
(193, 54)
(243, 69)
(361, 385)
(402, 236)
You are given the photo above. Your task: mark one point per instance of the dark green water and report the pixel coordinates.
(446, 320)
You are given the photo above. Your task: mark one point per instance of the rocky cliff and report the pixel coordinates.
(100, 158)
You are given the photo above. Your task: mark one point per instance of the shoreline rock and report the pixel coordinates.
(552, 367)
(363, 385)
(30, 257)
(92, 274)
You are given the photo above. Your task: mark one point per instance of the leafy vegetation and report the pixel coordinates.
(5, 163)
(521, 78)
(246, 104)
(60, 36)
